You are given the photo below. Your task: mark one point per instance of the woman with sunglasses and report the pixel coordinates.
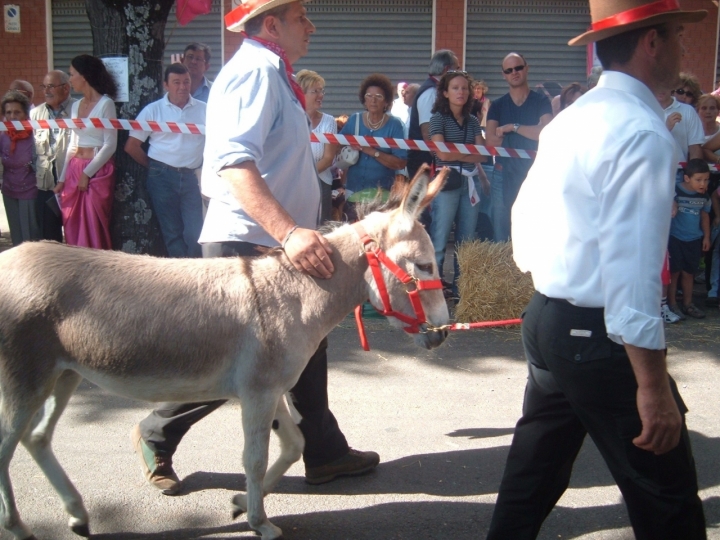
(313, 86)
(375, 167)
(453, 122)
(689, 90)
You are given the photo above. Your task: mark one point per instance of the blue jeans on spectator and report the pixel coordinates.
(453, 207)
(500, 213)
(177, 203)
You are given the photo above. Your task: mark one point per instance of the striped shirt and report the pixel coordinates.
(447, 126)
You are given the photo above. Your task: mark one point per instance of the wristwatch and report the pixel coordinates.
(516, 127)
(376, 154)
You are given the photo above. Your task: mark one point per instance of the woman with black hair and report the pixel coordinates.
(458, 201)
(87, 181)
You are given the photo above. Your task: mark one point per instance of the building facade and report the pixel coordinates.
(357, 37)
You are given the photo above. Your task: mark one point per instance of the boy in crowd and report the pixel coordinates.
(689, 235)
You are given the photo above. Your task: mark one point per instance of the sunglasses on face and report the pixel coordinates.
(508, 71)
(681, 92)
(457, 71)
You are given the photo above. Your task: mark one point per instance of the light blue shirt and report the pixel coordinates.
(254, 115)
(203, 91)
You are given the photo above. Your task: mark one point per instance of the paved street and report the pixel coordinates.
(441, 421)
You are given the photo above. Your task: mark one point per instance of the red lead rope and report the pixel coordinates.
(416, 324)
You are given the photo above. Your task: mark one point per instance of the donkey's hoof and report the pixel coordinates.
(81, 530)
(239, 505)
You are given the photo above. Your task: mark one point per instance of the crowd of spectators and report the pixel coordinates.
(56, 180)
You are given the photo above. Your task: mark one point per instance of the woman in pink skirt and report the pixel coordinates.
(87, 181)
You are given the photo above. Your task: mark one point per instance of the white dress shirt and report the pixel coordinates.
(174, 149)
(592, 219)
(687, 131)
(254, 115)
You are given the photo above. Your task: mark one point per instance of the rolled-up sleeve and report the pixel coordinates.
(241, 137)
(636, 195)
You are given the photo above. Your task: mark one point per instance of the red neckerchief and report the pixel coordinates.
(15, 136)
(274, 47)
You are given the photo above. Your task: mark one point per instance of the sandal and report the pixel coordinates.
(692, 311)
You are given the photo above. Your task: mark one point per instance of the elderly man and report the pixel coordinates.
(591, 225)
(264, 192)
(51, 146)
(196, 57)
(172, 160)
(514, 120)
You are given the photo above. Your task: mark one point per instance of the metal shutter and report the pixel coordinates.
(537, 29)
(72, 34)
(357, 37)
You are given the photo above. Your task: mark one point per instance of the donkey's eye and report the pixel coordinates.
(427, 268)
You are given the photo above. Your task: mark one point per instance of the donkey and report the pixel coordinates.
(195, 330)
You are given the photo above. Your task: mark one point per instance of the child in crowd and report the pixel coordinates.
(689, 235)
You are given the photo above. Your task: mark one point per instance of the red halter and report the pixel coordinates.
(413, 286)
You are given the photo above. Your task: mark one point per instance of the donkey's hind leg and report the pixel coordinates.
(258, 411)
(37, 440)
(291, 447)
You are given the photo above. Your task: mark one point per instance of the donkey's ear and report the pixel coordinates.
(412, 203)
(436, 186)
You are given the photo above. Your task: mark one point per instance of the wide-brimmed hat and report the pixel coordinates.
(613, 17)
(236, 19)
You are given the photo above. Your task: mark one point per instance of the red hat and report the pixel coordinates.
(613, 17)
(236, 19)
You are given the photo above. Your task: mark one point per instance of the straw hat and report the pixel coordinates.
(613, 17)
(236, 19)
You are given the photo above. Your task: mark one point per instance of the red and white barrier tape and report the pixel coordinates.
(326, 138)
(105, 123)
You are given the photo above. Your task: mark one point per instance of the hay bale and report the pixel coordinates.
(491, 286)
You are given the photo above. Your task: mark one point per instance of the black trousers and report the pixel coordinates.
(165, 427)
(578, 385)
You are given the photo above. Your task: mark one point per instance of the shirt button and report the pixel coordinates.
(578, 357)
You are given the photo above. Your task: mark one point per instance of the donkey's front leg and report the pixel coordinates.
(258, 410)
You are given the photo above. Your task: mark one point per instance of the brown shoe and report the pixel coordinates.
(351, 464)
(157, 470)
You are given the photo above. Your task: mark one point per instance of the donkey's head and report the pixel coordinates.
(403, 280)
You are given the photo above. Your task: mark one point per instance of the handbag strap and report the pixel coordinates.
(357, 124)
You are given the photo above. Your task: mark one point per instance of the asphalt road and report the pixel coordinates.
(441, 421)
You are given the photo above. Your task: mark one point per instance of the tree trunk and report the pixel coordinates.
(134, 29)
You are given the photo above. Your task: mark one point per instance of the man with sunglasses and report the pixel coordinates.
(51, 146)
(514, 121)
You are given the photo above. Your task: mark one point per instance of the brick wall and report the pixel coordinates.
(25, 54)
(450, 19)
(700, 44)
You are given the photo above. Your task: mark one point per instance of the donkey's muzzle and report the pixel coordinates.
(431, 338)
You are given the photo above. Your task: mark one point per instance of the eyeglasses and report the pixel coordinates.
(681, 92)
(192, 58)
(457, 71)
(319, 92)
(44, 87)
(508, 71)
(374, 96)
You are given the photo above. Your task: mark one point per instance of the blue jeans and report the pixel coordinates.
(453, 207)
(177, 203)
(715, 265)
(500, 213)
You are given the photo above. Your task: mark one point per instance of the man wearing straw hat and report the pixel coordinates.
(591, 224)
(264, 192)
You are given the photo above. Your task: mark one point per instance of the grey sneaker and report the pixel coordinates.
(677, 311)
(158, 470)
(351, 464)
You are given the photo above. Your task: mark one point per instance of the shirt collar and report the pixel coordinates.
(615, 80)
(64, 108)
(674, 105)
(191, 102)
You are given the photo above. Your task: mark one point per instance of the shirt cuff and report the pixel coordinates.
(636, 328)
